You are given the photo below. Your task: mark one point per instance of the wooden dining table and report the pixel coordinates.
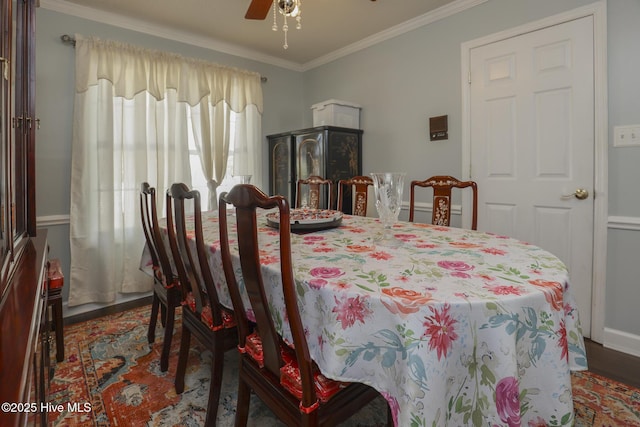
(452, 326)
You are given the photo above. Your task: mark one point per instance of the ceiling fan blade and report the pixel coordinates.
(258, 9)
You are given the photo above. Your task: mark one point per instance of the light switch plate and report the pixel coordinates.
(626, 136)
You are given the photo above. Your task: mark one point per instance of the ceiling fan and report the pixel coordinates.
(258, 9)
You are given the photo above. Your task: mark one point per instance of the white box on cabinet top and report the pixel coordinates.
(334, 112)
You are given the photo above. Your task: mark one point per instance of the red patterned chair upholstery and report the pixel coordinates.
(54, 300)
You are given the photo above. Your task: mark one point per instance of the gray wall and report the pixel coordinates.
(403, 81)
(623, 255)
(399, 83)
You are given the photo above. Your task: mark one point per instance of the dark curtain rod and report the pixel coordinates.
(67, 39)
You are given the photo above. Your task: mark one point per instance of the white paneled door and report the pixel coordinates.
(532, 143)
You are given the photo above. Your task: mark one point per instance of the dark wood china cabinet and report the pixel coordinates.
(330, 152)
(23, 291)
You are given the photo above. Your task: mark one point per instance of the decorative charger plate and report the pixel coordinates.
(308, 219)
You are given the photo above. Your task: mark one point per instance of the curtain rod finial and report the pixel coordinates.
(66, 38)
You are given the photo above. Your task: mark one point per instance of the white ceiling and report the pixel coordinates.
(329, 27)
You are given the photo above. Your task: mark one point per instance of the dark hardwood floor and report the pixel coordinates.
(613, 364)
(603, 361)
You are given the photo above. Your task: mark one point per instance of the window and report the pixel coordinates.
(198, 180)
(137, 122)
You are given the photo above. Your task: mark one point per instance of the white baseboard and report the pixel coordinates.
(85, 308)
(622, 341)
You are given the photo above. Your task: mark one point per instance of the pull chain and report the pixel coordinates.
(285, 28)
(274, 27)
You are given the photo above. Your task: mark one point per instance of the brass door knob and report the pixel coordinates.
(579, 194)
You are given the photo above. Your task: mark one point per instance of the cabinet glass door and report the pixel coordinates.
(310, 161)
(310, 155)
(280, 156)
(6, 112)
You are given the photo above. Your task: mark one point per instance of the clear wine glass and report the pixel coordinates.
(242, 179)
(388, 188)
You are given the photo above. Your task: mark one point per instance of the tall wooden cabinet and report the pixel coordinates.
(23, 291)
(330, 152)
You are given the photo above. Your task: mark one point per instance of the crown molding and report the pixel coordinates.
(145, 27)
(410, 25)
(141, 26)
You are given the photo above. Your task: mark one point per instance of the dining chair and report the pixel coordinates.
(315, 186)
(283, 376)
(358, 187)
(166, 286)
(442, 185)
(202, 314)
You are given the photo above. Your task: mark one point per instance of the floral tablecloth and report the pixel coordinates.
(454, 327)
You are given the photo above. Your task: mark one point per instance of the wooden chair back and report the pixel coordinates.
(166, 286)
(266, 378)
(247, 199)
(358, 187)
(202, 314)
(317, 187)
(147, 199)
(442, 186)
(193, 268)
(153, 236)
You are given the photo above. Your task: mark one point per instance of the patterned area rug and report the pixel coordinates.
(111, 377)
(599, 401)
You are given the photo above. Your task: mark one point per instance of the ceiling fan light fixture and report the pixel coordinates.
(287, 8)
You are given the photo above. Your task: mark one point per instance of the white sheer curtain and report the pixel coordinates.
(215, 123)
(133, 110)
